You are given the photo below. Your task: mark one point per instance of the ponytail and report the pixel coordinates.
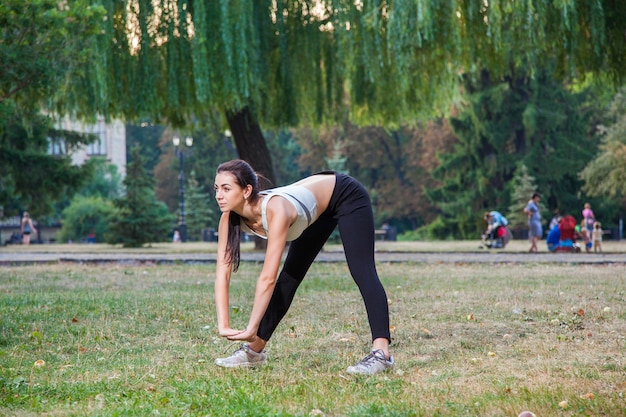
(244, 176)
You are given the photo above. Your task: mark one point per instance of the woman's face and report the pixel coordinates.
(228, 192)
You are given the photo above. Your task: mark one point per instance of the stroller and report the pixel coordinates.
(567, 228)
(497, 238)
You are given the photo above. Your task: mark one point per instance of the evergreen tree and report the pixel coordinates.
(43, 46)
(337, 161)
(522, 188)
(286, 151)
(106, 182)
(202, 210)
(139, 218)
(30, 176)
(531, 120)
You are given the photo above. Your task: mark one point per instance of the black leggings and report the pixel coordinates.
(349, 208)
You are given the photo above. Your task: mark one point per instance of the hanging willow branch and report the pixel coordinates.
(297, 61)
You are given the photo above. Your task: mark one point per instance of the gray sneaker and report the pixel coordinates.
(372, 364)
(242, 358)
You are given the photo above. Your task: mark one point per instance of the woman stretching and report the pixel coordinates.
(304, 213)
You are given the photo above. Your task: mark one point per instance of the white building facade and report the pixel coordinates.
(111, 143)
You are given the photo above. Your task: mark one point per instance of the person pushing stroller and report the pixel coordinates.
(497, 234)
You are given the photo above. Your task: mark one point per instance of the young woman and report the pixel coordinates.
(304, 213)
(535, 230)
(27, 228)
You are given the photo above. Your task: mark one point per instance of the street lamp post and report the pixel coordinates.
(182, 226)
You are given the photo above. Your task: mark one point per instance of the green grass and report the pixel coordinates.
(469, 340)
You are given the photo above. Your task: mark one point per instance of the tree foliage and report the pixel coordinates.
(522, 188)
(392, 164)
(521, 119)
(85, 216)
(202, 211)
(105, 182)
(605, 175)
(30, 177)
(138, 217)
(291, 62)
(44, 45)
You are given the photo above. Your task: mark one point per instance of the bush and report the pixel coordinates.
(85, 216)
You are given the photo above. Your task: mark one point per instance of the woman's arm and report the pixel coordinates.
(280, 215)
(222, 280)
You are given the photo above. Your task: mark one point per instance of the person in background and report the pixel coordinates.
(555, 220)
(584, 235)
(535, 230)
(588, 217)
(304, 213)
(496, 233)
(176, 237)
(553, 239)
(597, 237)
(27, 228)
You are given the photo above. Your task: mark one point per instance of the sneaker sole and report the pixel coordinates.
(240, 365)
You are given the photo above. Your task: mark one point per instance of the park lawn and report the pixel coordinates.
(469, 340)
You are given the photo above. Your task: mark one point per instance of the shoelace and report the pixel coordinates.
(372, 357)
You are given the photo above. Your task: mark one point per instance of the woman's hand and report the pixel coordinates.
(228, 332)
(243, 335)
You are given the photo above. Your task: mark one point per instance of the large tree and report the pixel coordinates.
(138, 217)
(43, 45)
(279, 63)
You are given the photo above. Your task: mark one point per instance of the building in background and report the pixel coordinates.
(111, 142)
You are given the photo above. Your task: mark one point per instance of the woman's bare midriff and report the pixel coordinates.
(322, 187)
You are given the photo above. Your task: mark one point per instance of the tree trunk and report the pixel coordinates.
(252, 148)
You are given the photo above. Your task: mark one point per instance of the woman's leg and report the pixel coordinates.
(302, 252)
(357, 235)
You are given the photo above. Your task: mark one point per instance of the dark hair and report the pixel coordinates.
(536, 195)
(244, 176)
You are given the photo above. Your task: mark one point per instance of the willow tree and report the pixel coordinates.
(290, 62)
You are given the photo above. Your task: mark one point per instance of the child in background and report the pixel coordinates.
(597, 237)
(585, 236)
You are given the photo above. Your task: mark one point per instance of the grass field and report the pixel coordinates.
(469, 340)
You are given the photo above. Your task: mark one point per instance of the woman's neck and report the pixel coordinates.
(252, 216)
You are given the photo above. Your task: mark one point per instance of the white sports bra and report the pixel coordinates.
(301, 198)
